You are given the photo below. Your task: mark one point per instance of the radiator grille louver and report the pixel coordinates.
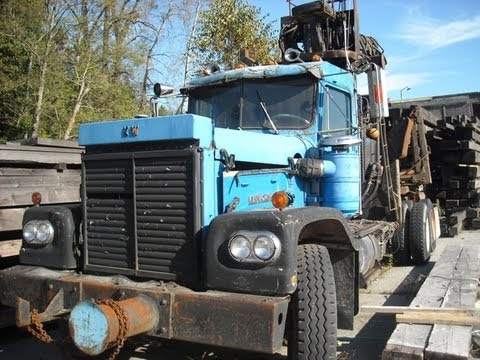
(142, 213)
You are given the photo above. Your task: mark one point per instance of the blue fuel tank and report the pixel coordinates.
(342, 189)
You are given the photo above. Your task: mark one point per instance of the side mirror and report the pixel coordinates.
(160, 90)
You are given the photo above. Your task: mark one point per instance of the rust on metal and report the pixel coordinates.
(123, 319)
(220, 320)
(22, 314)
(141, 314)
(212, 318)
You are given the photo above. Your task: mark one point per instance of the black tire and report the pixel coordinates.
(313, 309)
(401, 240)
(420, 233)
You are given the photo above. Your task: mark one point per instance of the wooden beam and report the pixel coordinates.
(50, 194)
(11, 219)
(51, 142)
(26, 172)
(44, 157)
(41, 149)
(420, 309)
(10, 248)
(438, 318)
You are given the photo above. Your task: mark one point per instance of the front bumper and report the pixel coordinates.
(238, 321)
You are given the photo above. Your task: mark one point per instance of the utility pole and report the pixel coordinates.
(290, 6)
(406, 88)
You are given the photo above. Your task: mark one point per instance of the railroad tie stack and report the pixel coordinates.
(455, 164)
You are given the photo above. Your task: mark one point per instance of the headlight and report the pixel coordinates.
(254, 247)
(264, 247)
(45, 232)
(38, 232)
(29, 232)
(240, 247)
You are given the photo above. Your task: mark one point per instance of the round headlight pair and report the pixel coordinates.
(254, 247)
(38, 232)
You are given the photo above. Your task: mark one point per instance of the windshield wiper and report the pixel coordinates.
(265, 111)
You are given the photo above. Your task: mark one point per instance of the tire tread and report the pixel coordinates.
(316, 333)
(418, 236)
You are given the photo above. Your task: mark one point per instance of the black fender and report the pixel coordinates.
(321, 225)
(63, 252)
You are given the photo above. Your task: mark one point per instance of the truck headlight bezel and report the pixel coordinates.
(38, 232)
(257, 247)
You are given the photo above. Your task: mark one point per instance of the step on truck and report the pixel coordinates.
(248, 222)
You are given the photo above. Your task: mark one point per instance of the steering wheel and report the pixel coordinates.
(289, 118)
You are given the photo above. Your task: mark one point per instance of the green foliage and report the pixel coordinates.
(91, 62)
(228, 26)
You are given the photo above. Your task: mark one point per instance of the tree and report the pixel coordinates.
(191, 24)
(228, 26)
(67, 62)
(54, 12)
(156, 29)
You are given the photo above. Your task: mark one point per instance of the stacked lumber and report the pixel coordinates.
(50, 167)
(455, 164)
(451, 287)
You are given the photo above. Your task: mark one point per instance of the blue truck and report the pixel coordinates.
(248, 222)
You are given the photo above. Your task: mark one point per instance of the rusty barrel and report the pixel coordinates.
(95, 325)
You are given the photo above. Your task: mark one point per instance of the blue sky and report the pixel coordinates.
(432, 46)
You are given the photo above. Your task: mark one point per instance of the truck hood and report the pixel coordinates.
(245, 145)
(174, 127)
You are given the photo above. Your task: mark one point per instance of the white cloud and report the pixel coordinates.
(430, 33)
(398, 81)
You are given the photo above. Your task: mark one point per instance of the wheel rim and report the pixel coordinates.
(428, 234)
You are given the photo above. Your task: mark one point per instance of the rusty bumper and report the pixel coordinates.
(238, 321)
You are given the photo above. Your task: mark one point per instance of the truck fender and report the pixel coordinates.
(292, 226)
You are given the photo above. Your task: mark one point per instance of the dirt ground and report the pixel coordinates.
(394, 286)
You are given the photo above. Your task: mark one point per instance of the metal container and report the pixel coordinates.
(342, 189)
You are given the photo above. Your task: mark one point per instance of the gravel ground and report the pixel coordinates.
(394, 286)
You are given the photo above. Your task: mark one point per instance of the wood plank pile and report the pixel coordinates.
(50, 167)
(455, 165)
(451, 287)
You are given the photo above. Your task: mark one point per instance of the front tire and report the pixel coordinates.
(313, 309)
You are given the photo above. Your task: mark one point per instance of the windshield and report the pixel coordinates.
(248, 104)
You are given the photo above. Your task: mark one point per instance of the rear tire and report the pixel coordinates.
(313, 309)
(420, 233)
(400, 240)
